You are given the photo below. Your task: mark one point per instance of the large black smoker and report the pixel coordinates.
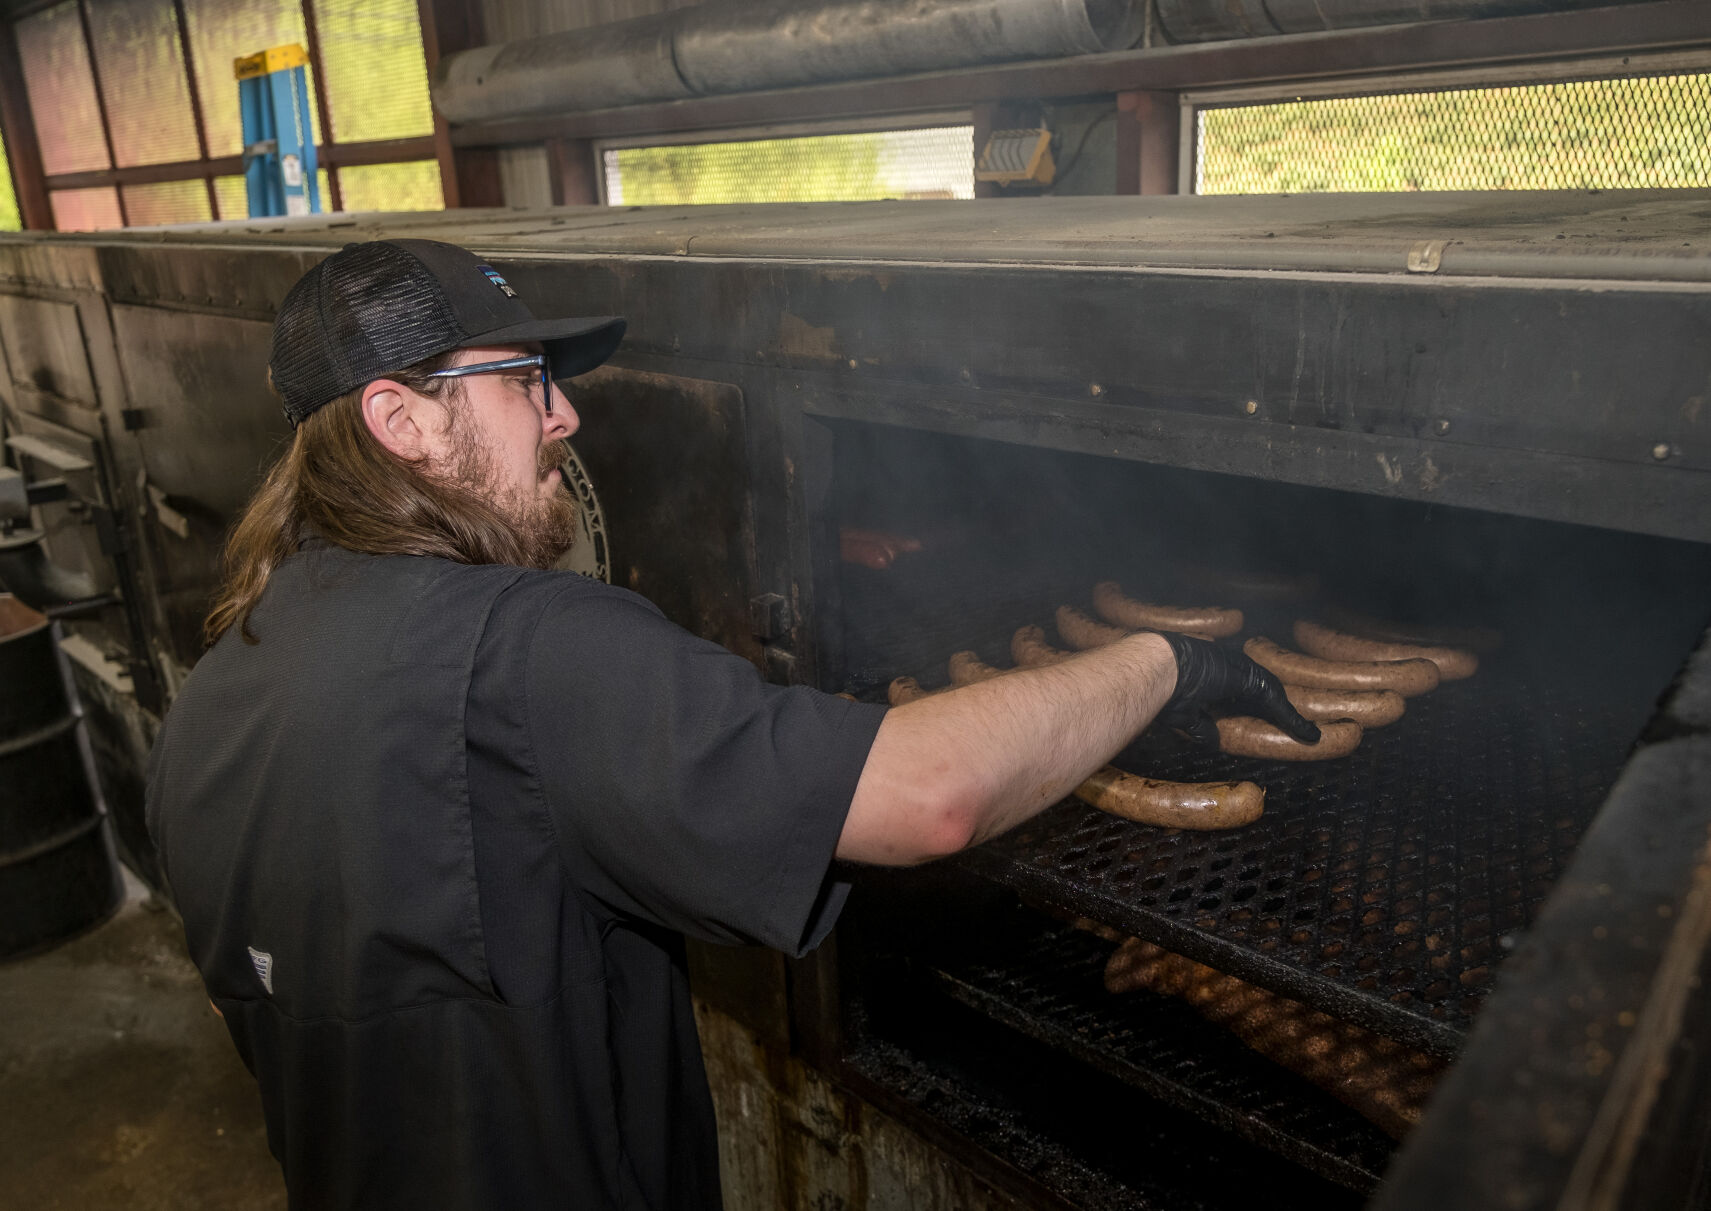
(1471, 410)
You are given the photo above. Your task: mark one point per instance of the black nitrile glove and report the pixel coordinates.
(1213, 682)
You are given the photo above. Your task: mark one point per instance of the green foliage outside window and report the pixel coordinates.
(1634, 133)
(931, 162)
(9, 220)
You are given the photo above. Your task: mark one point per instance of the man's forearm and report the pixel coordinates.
(981, 759)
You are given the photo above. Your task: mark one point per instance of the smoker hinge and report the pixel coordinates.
(134, 419)
(769, 617)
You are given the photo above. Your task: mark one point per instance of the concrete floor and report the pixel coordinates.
(119, 1088)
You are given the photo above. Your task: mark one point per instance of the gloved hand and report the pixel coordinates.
(1213, 682)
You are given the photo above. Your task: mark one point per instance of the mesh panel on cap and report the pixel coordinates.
(358, 315)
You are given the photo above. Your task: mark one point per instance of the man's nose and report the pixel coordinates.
(562, 421)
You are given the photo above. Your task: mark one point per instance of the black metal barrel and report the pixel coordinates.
(57, 873)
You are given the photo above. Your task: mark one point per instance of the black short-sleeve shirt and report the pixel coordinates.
(436, 839)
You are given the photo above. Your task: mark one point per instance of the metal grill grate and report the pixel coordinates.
(935, 162)
(1046, 981)
(1644, 132)
(1383, 888)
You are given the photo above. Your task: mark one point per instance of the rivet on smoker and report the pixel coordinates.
(1661, 451)
(965, 374)
(1095, 390)
(1252, 406)
(1443, 427)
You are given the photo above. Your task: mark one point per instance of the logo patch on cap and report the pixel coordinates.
(493, 276)
(263, 964)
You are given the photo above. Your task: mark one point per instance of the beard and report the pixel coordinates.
(544, 528)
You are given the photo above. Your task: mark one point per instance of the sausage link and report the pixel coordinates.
(1407, 677)
(906, 689)
(1115, 606)
(1483, 640)
(967, 668)
(1082, 632)
(1196, 805)
(1453, 663)
(1241, 736)
(1369, 708)
(1029, 649)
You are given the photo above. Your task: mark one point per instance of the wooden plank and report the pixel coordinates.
(101, 103)
(18, 128)
(470, 176)
(188, 58)
(1148, 131)
(570, 166)
(312, 35)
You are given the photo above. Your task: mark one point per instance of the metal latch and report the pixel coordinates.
(769, 617)
(1425, 256)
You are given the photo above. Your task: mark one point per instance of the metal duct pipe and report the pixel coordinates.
(724, 48)
(729, 46)
(623, 63)
(1212, 20)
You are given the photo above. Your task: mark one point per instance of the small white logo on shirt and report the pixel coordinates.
(263, 964)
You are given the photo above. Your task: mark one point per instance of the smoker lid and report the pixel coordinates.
(1624, 235)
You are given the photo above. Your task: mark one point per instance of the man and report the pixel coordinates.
(437, 816)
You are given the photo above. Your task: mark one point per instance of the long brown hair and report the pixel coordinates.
(336, 481)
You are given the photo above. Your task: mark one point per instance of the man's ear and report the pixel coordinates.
(398, 418)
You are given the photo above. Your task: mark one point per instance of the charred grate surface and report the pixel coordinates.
(1383, 888)
(1062, 1135)
(1047, 981)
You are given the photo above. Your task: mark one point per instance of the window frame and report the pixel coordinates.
(331, 153)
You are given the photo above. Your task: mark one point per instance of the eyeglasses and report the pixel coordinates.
(510, 363)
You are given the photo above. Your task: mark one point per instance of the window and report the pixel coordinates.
(154, 77)
(929, 162)
(10, 220)
(1633, 132)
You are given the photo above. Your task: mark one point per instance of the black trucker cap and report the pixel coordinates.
(375, 308)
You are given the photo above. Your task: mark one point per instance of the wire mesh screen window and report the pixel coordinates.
(1645, 132)
(371, 55)
(142, 73)
(377, 78)
(933, 162)
(223, 30)
(10, 220)
(62, 90)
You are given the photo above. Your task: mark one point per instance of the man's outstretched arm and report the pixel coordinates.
(957, 768)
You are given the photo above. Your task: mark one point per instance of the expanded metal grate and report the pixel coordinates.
(1065, 1131)
(1046, 981)
(1383, 888)
(1639, 132)
(933, 162)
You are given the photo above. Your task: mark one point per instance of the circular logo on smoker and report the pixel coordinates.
(589, 556)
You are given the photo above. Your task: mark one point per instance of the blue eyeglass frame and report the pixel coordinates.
(510, 363)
